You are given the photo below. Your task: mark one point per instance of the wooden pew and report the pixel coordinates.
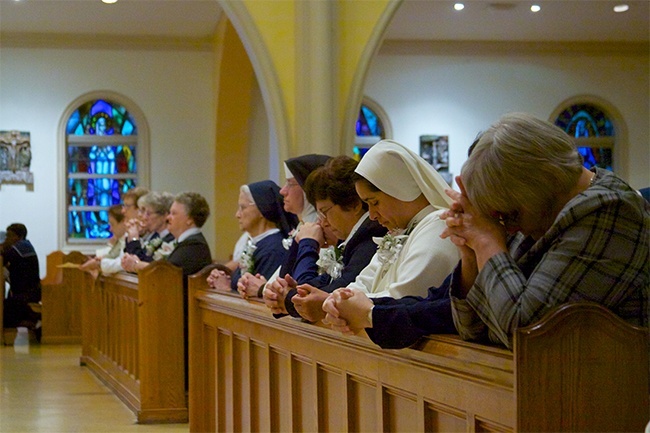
(61, 298)
(580, 369)
(133, 340)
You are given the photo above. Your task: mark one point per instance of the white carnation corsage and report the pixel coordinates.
(153, 245)
(246, 260)
(330, 261)
(286, 242)
(164, 250)
(389, 247)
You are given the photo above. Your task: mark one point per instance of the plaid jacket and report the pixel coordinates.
(596, 250)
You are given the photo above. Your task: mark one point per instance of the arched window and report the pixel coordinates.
(372, 126)
(103, 160)
(593, 131)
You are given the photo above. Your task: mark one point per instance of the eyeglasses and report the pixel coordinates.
(322, 214)
(290, 184)
(242, 207)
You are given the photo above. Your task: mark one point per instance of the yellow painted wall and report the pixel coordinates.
(361, 25)
(357, 29)
(234, 80)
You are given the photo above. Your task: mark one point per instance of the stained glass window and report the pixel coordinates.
(593, 132)
(101, 161)
(369, 129)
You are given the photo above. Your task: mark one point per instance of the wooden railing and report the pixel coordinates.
(581, 369)
(61, 298)
(133, 340)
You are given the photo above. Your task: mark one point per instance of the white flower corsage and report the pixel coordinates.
(330, 261)
(246, 260)
(390, 247)
(164, 250)
(153, 245)
(286, 242)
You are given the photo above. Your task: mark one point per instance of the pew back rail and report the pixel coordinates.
(252, 372)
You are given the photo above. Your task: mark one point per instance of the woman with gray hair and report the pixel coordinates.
(191, 252)
(535, 229)
(153, 208)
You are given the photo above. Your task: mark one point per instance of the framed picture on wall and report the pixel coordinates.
(435, 150)
(16, 158)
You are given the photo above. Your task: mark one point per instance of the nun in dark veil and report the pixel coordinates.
(261, 214)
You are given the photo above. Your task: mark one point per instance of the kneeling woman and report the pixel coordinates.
(261, 214)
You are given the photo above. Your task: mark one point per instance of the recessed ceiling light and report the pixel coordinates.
(535, 8)
(621, 8)
(459, 6)
(109, 2)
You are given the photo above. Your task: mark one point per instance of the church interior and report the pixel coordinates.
(222, 92)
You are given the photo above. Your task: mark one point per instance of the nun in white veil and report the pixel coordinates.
(407, 196)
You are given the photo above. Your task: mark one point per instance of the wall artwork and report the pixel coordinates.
(435, 150)
(16, 158)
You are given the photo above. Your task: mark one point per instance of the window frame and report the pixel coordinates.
(618, 142)
(369, 141)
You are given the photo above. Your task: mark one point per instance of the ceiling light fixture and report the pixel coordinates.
(535, 8)
(459, 6)
(621, 8)
(109, 2)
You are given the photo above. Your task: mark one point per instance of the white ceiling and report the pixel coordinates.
(481, 20)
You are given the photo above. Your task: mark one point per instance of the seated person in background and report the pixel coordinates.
(108, 259)
(154, 208)
(295, 202)
(187, 214)
(535, 229)
(130, 206)
(331, 189)
(260, 213)
(21, 262)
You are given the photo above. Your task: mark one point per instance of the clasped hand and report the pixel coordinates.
(347, 310)
(249, 285)
(219, 280)
(275, 293)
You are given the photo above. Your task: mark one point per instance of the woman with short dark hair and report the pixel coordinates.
(319, 271)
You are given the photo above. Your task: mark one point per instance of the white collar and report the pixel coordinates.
(418, 217)
(259, 237)
(163, 233)
(187, 233)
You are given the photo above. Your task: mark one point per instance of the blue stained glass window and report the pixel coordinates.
(586, 123)
(101, 163)
(369, 130)
(368, 123)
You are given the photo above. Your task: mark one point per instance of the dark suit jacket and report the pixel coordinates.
(136, 247)
(400, 323)
(192, 255)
